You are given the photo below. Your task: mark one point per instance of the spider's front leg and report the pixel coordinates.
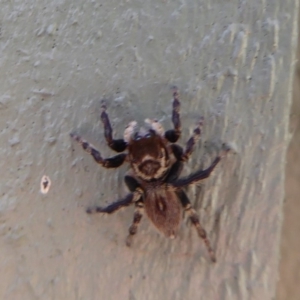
(190, 145)
(116, 145)
(195, 221)
(177, 167)
(173, 135)
(112, 162)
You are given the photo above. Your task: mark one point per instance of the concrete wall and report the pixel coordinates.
(289, 270)
(233, 63)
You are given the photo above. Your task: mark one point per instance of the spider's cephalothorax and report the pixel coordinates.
(148, 152)
(153, 179)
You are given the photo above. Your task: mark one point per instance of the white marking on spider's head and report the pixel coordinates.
(142, 132)
(129, 130)
(156, 126)
(45, 184)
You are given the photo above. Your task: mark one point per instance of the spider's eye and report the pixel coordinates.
(136, 137)
(148, 135)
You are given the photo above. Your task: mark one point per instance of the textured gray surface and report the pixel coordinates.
(289, 270)
(233, 64)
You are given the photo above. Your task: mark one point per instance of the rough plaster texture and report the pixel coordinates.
(233, 63)
(289, 270)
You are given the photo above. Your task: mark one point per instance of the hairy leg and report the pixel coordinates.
(201, 174)
(190, 145)
(195, 221)
(131, 183)
(174, 172)
(174, 134)
(177, 167)
(201, 232)
(112, 162)
(116, 145)
(111, 208)
(197, 176)
(138, 213)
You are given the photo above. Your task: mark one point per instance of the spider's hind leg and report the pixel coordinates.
(195, 221)
(173, 135)
(134, 187)
(138, 213)
(116, 145)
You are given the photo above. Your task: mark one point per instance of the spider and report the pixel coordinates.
(153, 179)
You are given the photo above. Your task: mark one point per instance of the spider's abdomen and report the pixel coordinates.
(164, 210)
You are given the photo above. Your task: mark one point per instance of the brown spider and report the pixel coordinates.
(156, 163)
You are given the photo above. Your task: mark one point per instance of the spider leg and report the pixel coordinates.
(112, 162)
(131, 183)
(129, 199)
(116, 145)
(197, 176)
(190, 145)
(174, 171)
(201, 174)
(177, 167)
(173, 135)
(138, 213)
(195, 221)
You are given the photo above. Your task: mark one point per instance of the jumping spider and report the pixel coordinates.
(153, 179)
